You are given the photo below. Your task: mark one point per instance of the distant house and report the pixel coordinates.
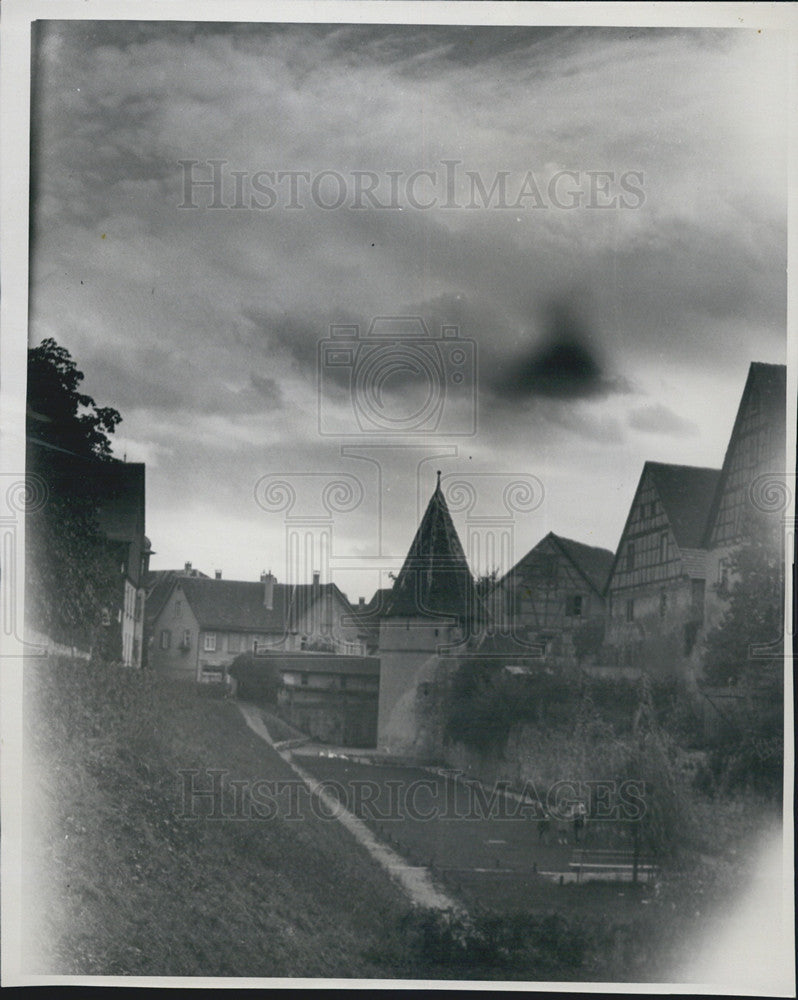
(553, 591)
(656, 586)
(203, 624)
(748, 502)
(158, 586)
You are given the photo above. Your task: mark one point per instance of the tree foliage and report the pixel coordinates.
(747, 645)
(257, 677)
(58, 412)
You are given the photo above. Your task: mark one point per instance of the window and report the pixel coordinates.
(630, 611)
(186, 638)
(178, 608)
(166, 638)
(210, 642)
(630, 556)
(304, 681)
(105, 620)
(723, 575)
(139, 606)
(573, 606)
(663, 603)
(663, 547)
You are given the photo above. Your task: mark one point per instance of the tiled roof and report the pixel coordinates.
(593, 562)
(239, 605)
(686, 493)
(435, 578)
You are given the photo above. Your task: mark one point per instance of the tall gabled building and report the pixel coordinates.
(748, 501)
(655, 592)
(432, 613)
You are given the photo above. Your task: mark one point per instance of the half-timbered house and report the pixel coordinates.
(656, 587)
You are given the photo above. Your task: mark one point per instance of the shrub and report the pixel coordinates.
(257, 677)
(539, 946)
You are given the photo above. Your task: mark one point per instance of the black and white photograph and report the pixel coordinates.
(398, 430)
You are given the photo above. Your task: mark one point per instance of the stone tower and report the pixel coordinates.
(432, 612)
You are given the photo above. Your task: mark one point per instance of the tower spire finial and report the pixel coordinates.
(438, 485)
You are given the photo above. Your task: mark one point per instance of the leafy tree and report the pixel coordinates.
(58, 412)
(487, 582)
(753, 618)
(72, 570)
(744, 653)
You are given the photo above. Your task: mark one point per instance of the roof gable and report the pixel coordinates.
(765, 386)
(593, 563)
(686, 493)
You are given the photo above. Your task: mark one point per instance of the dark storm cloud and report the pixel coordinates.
(562, 365)
(188, 321)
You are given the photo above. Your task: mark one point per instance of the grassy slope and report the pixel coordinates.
(130, 887)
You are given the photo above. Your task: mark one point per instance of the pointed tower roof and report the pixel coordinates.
(435, 579)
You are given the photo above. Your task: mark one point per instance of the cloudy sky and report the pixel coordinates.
(601, 215)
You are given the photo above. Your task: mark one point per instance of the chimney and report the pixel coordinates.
(361, 602)
(218, 574)
(268, 590)
(188, 568)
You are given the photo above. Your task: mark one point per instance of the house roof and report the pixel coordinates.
(593, 563)
(686, 492)
(770, 383)
(435, 578)
(374, 609)
(158, 584)
(238, 605)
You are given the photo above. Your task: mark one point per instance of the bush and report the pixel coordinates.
(539, 946)
(257, 677)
